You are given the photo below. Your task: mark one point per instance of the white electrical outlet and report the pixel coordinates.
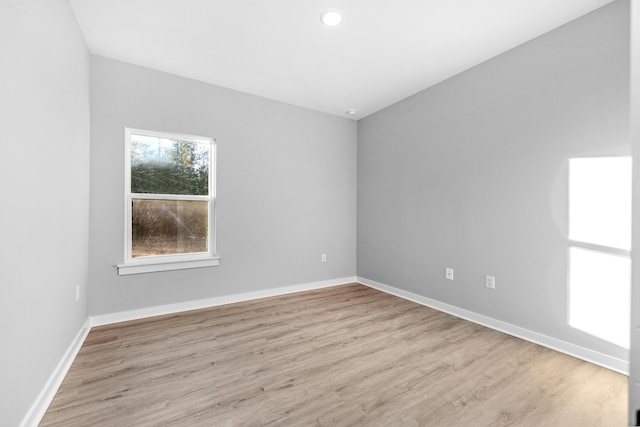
(77, 293)
(448, 273)
(323, 258)
(490, 282)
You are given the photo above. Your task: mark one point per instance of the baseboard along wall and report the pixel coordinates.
(124, 316)
(591, 356)
(48, 392)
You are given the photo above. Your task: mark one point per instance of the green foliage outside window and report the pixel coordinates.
(166, 166)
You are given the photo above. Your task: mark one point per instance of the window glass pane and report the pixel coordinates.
(600, 201)
(599, 293)
(164, 227)
(169, 166)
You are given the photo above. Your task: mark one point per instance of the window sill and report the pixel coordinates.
(150, 266)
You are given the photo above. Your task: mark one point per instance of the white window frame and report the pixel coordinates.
(156, 263)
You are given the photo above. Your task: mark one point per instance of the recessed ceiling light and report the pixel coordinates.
(352, 111)
(331, 17)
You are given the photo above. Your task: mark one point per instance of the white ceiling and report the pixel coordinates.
(382, 52)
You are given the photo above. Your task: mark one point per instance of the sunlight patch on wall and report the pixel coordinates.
(600, 201)
(599, 292)
(600, 244)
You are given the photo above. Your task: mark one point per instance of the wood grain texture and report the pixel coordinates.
(342, 356)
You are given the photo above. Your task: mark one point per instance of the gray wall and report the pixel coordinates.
(286, 190)
(473, 174)
(44, 181)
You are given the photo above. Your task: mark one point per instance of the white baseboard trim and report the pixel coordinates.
(48, 392)
(124, 316)
(597, 358)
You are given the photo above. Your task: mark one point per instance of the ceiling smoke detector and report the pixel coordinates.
(352, 111)
(331, 17)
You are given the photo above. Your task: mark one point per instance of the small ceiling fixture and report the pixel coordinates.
(352, 111)
(331, 17)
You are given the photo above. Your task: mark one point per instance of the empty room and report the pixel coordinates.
(294, 213)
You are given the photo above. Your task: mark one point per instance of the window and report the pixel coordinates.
(600, 247)
(169, 202)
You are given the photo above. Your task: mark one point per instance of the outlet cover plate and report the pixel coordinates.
(448, 273)
(490, 282)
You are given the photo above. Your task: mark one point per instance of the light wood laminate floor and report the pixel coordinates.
(341, 356)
